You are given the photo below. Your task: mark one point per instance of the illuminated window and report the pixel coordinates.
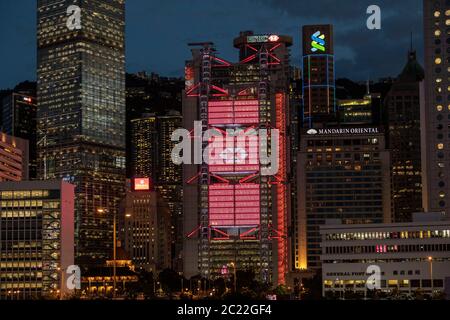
(439, 108)
(447, 13)
(437, 33)
(440, 146)
(442, 194)
(438, 60)
(438, 89)
(438, 80)
(447, 22)
(437, 14)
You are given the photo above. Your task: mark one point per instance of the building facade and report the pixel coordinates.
(343, 174)
(14, 155)
(236, 210)
(435, 107)
(319, 92)
(403, 104)
(81, 113)
(144, 144)
(36, 239)
(147, 227)
(409, 258)
(19, 120)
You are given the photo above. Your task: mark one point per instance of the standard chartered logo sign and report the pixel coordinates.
(318, 42)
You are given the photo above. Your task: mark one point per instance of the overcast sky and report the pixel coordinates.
(158, 31)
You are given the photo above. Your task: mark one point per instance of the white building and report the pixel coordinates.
(410, 256)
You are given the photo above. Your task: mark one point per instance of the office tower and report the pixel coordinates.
(13, 158)
(235, 209)
(318, 75)
(403, 104)
(435, 107)
(147, 227)
(343, 174)
(81, 113)
(169, 183)
(19, 120)
(37, 239)
(144, 147)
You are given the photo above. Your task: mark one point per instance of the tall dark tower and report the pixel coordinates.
(403, 105)
(81, 112)
(318, 75)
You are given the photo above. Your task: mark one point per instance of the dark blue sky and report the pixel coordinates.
(158, 30)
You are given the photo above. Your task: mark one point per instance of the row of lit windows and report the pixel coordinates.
(389, 235)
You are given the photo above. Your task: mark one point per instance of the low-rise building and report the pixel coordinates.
(409, 257)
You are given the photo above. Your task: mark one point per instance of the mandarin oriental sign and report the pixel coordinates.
(338, 131)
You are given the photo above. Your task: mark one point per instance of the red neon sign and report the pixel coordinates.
(142, 184)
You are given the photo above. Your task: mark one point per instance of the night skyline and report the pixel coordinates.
(157, 34)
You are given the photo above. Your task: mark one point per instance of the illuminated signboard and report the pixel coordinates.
(141, 184)
(342, 131)
(317, 39)
(263, 38)
(318, 42)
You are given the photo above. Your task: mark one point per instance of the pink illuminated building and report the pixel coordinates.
(233, 211)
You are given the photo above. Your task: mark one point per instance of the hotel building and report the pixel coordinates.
(343, 173)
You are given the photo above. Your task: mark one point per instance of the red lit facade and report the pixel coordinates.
(233, 212)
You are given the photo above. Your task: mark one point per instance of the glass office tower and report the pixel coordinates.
(81, 112)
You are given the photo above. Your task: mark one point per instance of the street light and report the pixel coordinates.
(102, 211)
(234, 276)
(430, 260)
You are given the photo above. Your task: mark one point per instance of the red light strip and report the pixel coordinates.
(248, 59)
(224, 63)
(280, 101)
(189, 93)
(251, 47)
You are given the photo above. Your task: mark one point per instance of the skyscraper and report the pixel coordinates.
(343, 174)
(403, 104)
(19, 120)
(318, 74)
(435, 107)
(235, 212)
(81, 112)
(13, 158)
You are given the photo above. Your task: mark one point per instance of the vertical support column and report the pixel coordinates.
(264, 106)
(204, 171)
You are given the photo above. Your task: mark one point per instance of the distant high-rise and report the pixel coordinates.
(435, 107)
(19, 120)
(144, 144)
(81, 112)
(403, 104)
(318, 74)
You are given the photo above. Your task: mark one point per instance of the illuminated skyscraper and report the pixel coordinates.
(435, 107)
(318, 74)
(233, 212)
(81, 112)
(144, 144)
